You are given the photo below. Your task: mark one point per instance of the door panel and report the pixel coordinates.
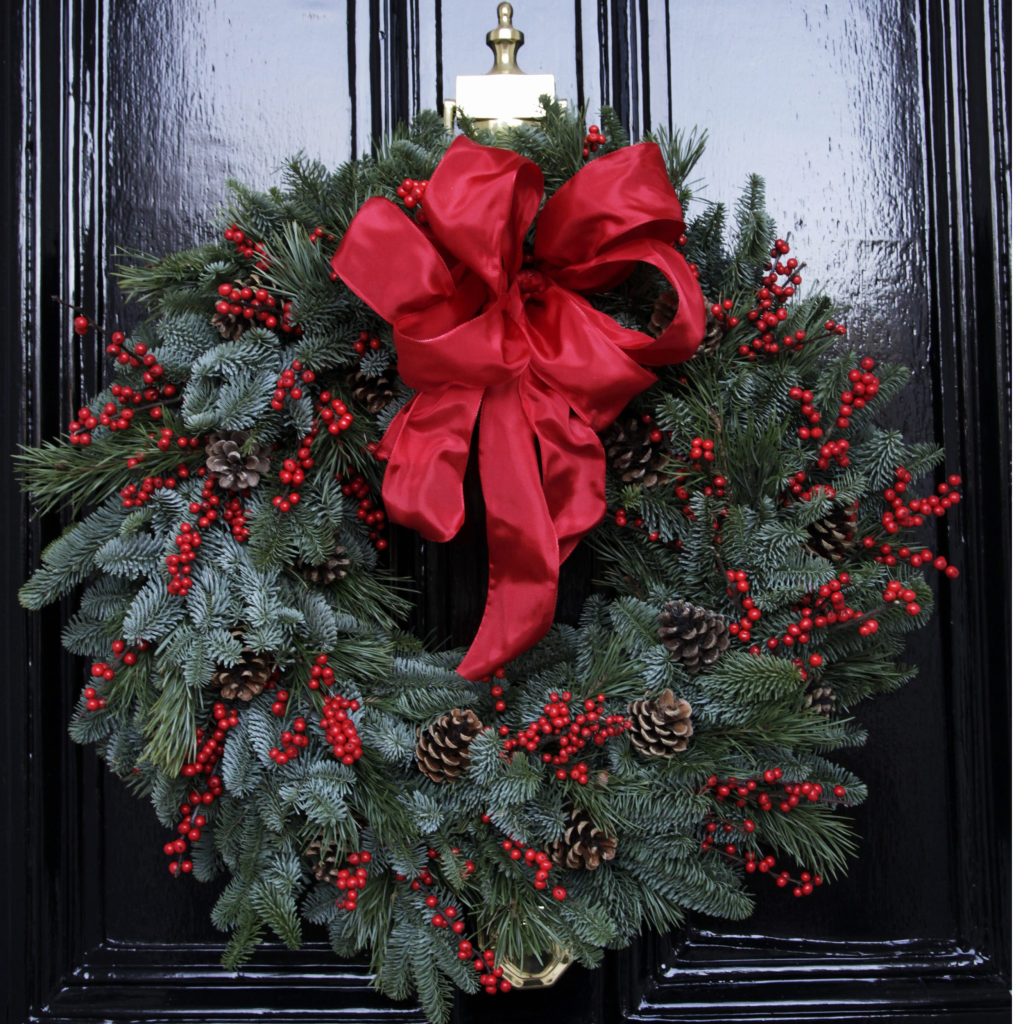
(877, 126)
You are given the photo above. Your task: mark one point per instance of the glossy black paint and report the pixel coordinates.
(881, 128)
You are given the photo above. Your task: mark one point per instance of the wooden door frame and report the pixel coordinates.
(58, 966)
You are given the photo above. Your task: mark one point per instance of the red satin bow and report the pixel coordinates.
(480, 337)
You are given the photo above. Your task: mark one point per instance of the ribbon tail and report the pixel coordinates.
(573, 462)
(522, 545)
(427, 450)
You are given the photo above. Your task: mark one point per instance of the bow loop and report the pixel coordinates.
(516, 349)
(618, 197)
(480, 210)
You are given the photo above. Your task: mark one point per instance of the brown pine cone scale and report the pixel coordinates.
(323, 859)
(582, 845)
(661, 726)
(821, 700)
(442, 750)
(333, 568)
(226, 463)
(633, 456)
(248, 678)
(693, 635)
(374, 391)
(832, 536)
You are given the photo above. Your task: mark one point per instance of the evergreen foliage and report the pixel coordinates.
(678, 540)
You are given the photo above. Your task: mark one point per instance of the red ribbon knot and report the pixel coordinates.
(484, 339)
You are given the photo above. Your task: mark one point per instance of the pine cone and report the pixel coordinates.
(248, 678)
(374, 392)
(633, 455)
(583, 844)
(228, 325)
(661, 726)
(695, 636)
(832, 536)
(665, 306)
(323, 859)
(821, 700)
(334, 567)
(230, 468)
(442, 750)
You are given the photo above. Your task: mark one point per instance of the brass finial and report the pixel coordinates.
(504, 41)
(506, 95)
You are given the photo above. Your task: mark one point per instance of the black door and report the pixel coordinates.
(880, 128)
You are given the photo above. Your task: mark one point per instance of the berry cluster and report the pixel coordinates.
(208, 508)
(771, 310)
(293, 473)
(288, 384)
(864, 387)
(721, 835)
(623, 521)
(85, 422)
(210, 751)
(901, 515)
(491, 980)
(498, 691)
(139, 357)
(293, 741)
(167, 440)
(257, 305)
(331, 413)
(110, 416)
(246, 247)
(365, 341)
(736, 582)
(192, 823)
(179, 566)
(750, 612)
(702, 449)
(94, 700)
(334, 413)
(739, 793)
(447, 917)
(352, 881)
(722, 312)
(825, 607)
(211, 747)
(236, 517)
(320, 673)
(137, 495)
(567, 733)
(896, 591)
(340, 731)
(318, 232)
(103, 672)
(593, 142)
(411, 192)
(887, 555)
(536, 859)
(368, 511)
(443, 917)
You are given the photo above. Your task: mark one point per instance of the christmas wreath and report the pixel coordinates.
(662, 393)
